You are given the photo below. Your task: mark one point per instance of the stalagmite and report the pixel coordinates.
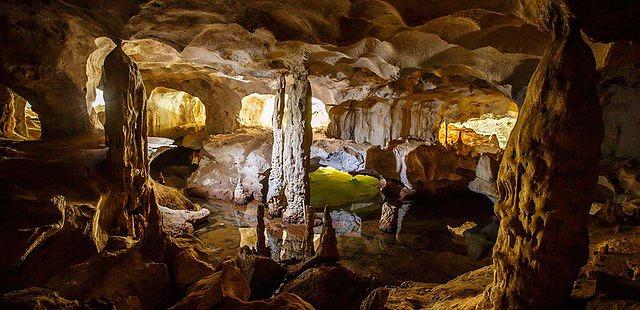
(548, 173)
(261, 246)
(297, 150)
(328, 248)
(388, 218)
(7, 110)
(276, 199)
(127, 207)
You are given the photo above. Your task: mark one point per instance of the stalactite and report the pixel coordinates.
(546, 177)
(276, 199)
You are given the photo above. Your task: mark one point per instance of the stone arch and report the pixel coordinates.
(222, 104)
(48, 69)
(172, 113)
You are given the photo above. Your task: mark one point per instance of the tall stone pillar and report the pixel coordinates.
(276, 199)
(297, 150)
(129, 202)
(547, 175)
(7, 111)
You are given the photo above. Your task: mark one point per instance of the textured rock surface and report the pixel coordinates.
(122, 277)
(171, 113)
(177, 222)
(129, 202)
(297, 151)
(388, 218)
(207, 293)
(47, 235)
(421, 168)
(7, 112)
(276, 199)
(231, 166)
(330, 288)
(486, 178)
(545, 176)
(37, 298)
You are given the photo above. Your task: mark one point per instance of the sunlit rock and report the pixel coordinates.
(172, 112)
(229, 160)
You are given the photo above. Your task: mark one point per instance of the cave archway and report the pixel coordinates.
(173, 113)
(257, 110)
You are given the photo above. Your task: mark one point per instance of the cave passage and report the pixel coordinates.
(325, 154)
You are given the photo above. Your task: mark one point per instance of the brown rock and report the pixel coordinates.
(207, 293)
(37, 298)
(189, 260)
(389, 218)
(328, 248)
(46, 236)
(126, 278)
(284, 301)
(177, 222)
(376, 300)
(545, 177)
(330, 288)
(7, 112)
(264, 274)
(129, 197)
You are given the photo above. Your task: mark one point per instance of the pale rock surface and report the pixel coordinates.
(230, 161)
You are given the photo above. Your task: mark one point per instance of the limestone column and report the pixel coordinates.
(297, 150)
(276, 199)
(7, 111)
(548, 173)
(129, 202)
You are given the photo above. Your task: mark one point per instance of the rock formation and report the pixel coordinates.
(7, 112)
(123, 211)
(276, 198)
(421, 94)
(546, 175)
(389, 218)
(296, 155)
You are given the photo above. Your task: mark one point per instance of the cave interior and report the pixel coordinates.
(320, 154)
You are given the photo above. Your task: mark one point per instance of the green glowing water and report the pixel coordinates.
(334, 188)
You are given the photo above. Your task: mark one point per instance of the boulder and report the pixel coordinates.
(421, 168)
(264, 274)
(46, 236)
(189, 260)
(123, 278)
(486, 178)
(330, 288)
(177, 222)
(226, 283)
(231, 166)
(37, 298)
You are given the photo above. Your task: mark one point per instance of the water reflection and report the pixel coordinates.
(422, 249)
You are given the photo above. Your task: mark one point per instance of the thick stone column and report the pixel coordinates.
(7, 111)
(276, 199)
(548, 173)
(129, 201)
(297, 150)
